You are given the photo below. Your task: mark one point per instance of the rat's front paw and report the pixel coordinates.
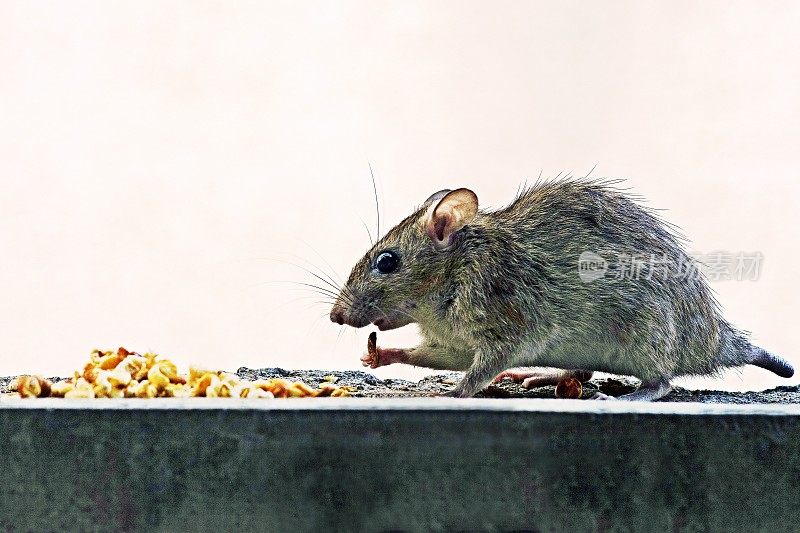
(370, 360)
(384, 356)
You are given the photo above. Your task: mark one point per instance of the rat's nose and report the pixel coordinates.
(337, 316)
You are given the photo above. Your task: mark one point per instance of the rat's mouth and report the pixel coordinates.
(392, 320)
(383, 324)
(396, 317)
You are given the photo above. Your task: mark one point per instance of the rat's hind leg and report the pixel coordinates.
(539, 378)
(648, 391)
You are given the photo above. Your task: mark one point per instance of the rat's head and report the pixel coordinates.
(406, 265)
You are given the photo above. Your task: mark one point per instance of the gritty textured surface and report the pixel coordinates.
(368, 385)
(418, 469)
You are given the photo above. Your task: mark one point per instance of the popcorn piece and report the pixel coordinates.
(130, 389)
(109, 361)
(60, 388)
(102, 386)
(32, 387)
(299, 389)
(135, 366)
(162, 374)
(90, 371)
(145, 389)
(326, 389)
(218, 388)
(178, 390)
(255, 392)
(200, 381)
(279, 387)
(249, 390)
(195, 374)
(82, 389)
(120, 377)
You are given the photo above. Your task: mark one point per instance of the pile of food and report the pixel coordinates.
(124, 374)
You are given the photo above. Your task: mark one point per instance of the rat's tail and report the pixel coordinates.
(735, 349)
(773, 363)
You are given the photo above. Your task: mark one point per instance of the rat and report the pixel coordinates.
(574, 275)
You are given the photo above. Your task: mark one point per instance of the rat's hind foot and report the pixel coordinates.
(537, 378)
(517, 376)
(648, 391)
(600, 396)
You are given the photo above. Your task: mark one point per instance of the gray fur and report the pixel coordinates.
(507, 293)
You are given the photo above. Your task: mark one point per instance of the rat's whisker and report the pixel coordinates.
(314, 296)
(371, 242)
(329, 281)
(334, 287)
(311, 293)
(318, 289)
(314, 324)
(291, 282)
(341, 281)
(283, 305)
(377, 206)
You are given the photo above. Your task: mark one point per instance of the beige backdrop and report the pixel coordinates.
(156, 158)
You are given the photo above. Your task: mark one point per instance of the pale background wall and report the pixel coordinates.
(154, 155)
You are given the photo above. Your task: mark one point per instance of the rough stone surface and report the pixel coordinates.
(370, 386)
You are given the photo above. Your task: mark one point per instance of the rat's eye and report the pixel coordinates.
(387, 262)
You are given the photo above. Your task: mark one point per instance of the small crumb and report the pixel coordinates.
(569, 388)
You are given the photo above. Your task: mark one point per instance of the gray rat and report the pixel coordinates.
(494, 290)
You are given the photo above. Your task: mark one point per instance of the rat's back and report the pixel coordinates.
(618, 283)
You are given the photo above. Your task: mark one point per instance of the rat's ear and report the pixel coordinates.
(436, 197)
(454, 210)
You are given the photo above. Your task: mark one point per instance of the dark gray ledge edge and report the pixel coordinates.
(414, 464)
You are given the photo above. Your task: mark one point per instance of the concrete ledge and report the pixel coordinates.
(416, 464)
